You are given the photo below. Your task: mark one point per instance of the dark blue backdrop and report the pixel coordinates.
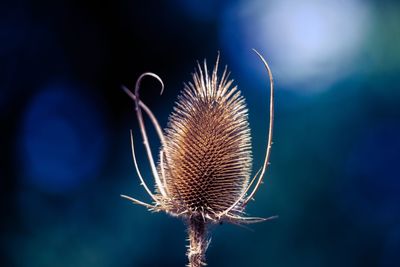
(334, 178)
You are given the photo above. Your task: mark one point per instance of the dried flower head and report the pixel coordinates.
(203, 173)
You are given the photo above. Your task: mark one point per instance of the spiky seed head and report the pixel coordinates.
(207, 145)
(205, 159)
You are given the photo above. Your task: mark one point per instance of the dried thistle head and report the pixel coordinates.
(207, 147)
(205, 160)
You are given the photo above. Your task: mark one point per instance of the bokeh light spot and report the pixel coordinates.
(309, 43)
(63, 139)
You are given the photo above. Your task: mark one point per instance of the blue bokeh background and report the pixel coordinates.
(334, 180)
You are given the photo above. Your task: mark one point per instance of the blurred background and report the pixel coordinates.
(334, 180)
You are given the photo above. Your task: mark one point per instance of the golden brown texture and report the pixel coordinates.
(207, 145)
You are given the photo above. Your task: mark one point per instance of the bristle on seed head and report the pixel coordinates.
(207, 145)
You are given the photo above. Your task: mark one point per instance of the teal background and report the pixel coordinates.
(334, 177)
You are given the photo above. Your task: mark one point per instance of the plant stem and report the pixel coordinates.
(198, 242)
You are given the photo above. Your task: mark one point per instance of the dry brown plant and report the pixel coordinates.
(205, 160)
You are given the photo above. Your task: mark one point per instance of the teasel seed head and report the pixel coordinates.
(207, 146)
(205, 160)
